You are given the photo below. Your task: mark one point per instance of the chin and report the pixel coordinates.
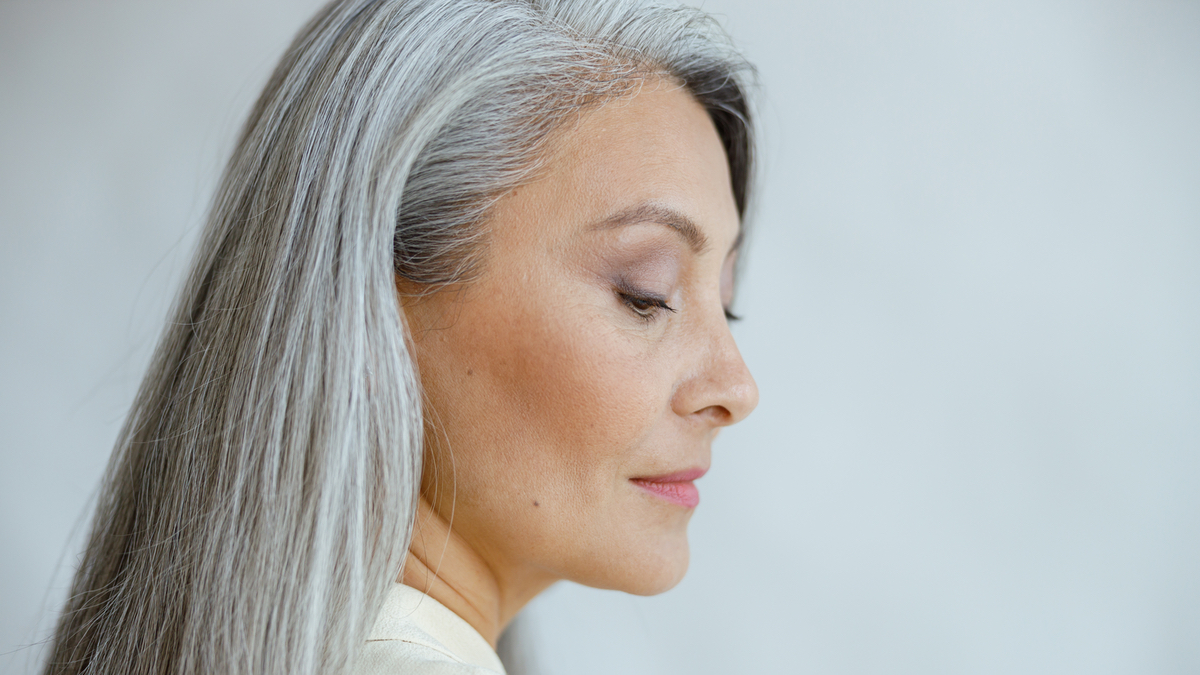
(661, 584)
(644, 568)
(662, 579)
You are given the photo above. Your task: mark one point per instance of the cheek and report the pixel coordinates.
(581, 396)
(542, 401)
(542, 411)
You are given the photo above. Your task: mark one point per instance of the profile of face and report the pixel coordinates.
(575, 387)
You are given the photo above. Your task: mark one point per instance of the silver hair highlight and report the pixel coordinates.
(261, 495)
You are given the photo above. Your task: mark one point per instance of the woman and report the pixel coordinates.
(456, 330)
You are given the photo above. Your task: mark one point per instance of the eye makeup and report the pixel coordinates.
(642, 264)
(644, 304)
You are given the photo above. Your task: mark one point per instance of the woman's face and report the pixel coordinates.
(593, 353)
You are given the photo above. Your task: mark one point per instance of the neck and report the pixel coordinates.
(444, 566)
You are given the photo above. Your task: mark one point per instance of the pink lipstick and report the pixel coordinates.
(676, 488)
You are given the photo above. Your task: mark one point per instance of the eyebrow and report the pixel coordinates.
(663, 215)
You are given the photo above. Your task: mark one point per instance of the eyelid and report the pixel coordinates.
(653, 301)
(631, 294)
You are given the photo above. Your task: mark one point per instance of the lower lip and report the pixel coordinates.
(683, 493)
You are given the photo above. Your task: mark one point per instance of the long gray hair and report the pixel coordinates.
(261, 495)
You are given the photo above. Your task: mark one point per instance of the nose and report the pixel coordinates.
(718, 389)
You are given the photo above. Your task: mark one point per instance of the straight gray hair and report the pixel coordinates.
(261, 495)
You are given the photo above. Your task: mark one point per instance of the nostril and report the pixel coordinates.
(718, 415)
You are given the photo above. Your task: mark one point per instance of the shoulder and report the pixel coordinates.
(400, 657)
(416, 634)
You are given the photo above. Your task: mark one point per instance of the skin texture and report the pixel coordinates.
(557, 377)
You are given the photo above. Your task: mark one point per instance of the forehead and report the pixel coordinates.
(657, 147)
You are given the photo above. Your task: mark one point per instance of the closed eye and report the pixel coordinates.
(644, 304)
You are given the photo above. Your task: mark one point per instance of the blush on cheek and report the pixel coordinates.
(558, 403)
(581, 388)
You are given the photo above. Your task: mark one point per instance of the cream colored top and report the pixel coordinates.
(418, 635)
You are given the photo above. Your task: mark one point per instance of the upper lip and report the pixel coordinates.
(684, 476)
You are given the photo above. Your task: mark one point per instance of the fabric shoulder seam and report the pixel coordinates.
(421, 644)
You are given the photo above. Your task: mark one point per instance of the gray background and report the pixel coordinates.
(972, 301)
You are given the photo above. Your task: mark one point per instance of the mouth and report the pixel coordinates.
(676, 488)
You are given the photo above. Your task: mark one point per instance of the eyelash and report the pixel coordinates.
(647, 306)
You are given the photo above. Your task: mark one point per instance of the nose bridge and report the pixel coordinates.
(719, 384)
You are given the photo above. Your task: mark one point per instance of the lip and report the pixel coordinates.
(676, 488)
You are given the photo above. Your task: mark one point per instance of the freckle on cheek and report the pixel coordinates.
(535, 503)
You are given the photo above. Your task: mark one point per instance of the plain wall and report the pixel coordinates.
(972, 305)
